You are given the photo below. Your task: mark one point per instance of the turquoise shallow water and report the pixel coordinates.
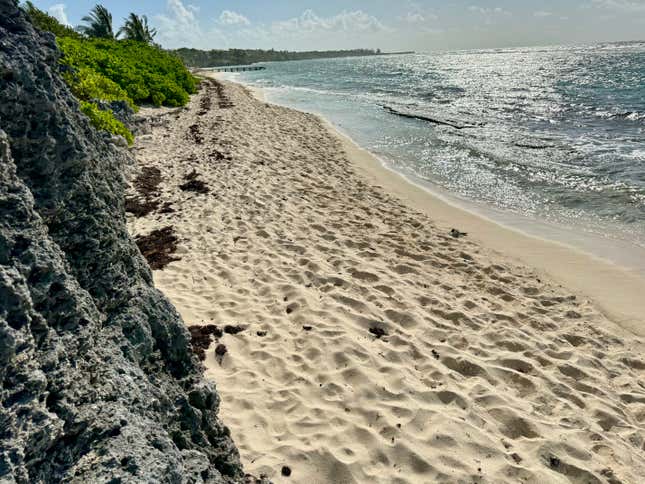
(554, 134)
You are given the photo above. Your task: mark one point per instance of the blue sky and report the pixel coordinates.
(421, 25)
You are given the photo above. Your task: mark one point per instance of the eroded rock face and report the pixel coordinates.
(98, 383)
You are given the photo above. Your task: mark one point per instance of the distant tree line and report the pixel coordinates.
(232, 57)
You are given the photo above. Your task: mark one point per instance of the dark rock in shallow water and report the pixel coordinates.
(98, 383)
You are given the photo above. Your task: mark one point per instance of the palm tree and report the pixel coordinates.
(136, 28)
(99, 23)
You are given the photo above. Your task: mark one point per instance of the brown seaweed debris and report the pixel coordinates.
(140, 208)
(220, 351)
(218, 155)
(147, 186)
(194, 184)
(378, 332)
(231, 329)
(224, 101)
(205, 102)
(167, 208)
(158, 247)
(148, 181)
(201, 338)
(195, 134)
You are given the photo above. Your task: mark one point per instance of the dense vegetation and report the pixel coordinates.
(101, 68)
(146, 73)
(46, 22)
(234, 57)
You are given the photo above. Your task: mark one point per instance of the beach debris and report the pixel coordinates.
(195, 134)
(194, 184)
(205, 103)
(220, 351)
(140, 208)
(158, 247)
(261, 334)
(167, 208)
(230, 329)
(378, 332)
(218, 155)
(147, 186)
(457, 234)
(224, 101)
(307, 327)
(435, 354)
(286, 471)
(554, 462)
(201, 338)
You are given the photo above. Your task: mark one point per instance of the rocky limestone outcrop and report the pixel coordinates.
(98, 383)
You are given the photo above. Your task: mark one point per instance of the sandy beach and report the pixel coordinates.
(368, 344)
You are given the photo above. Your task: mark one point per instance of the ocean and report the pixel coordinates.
(542, 137)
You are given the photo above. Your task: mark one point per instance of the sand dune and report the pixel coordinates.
(377, 348)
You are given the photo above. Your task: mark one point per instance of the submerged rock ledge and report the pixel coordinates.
(98, 382)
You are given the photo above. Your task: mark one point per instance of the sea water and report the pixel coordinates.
(545, 135)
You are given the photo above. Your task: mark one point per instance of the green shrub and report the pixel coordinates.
(87, 84)
(106, 121)
(116, 70)
(145, 73)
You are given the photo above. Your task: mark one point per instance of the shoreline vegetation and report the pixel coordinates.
(235, 57)
(112, 77)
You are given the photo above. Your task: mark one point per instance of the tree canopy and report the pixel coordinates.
(98, 23)
(136, 28)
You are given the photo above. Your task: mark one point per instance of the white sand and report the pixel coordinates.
(489, 372)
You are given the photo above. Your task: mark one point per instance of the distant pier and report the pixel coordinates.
(238, 68)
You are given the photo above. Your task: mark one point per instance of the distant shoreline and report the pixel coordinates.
(203, 59)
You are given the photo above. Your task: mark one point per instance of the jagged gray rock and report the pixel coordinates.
(98, 382)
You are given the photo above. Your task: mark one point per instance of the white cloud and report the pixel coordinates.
(178, 27)
(58, 12)
(489, 12)
(542, 14)
(351, 22)
(490, 15)
(233, 18)
(620, 5)
(413, 18)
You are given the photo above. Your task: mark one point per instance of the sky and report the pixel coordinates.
(391, 25)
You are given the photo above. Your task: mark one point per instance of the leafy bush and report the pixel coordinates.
(105, 120)
(87, 84)
(112, 70)
(146, 73)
